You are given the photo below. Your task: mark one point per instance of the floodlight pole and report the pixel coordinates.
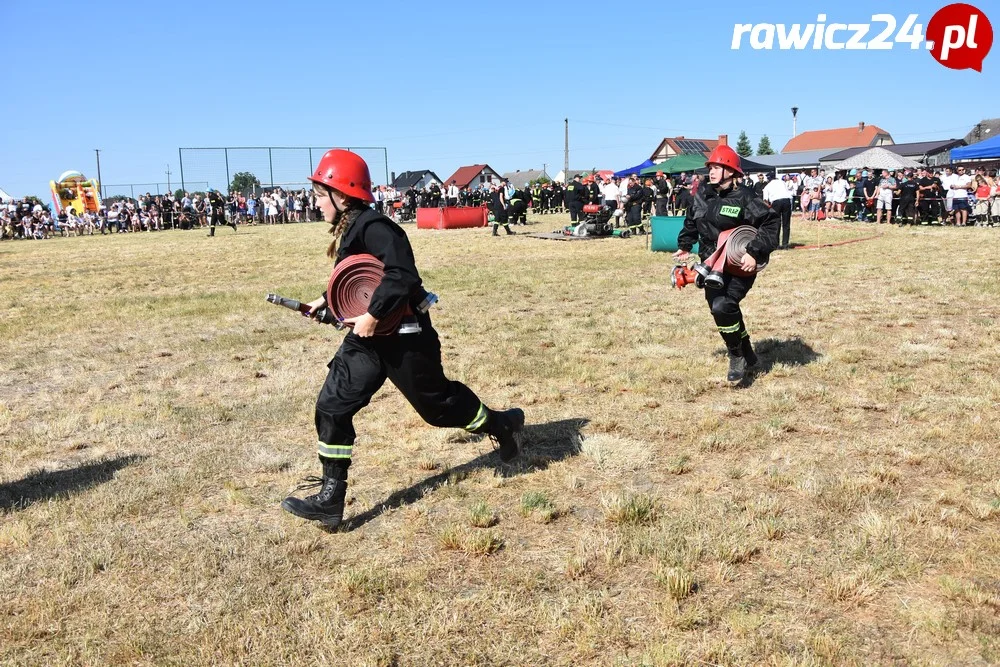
(100, 183)
(795, 112)
(566, 154)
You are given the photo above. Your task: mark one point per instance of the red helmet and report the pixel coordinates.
(725, 156)
(345, 172)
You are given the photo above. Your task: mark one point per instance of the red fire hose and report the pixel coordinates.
(351, 287)
(727, 258)
(732, 246)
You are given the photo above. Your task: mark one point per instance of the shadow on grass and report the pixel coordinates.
(542, 444)
(44, 485)
(771, 351)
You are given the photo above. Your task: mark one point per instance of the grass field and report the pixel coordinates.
(842, 509)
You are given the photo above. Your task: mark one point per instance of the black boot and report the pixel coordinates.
(504, 428)
(495, 230)
(737, 367)
(327, 505)
(748, 353)
(509, 231)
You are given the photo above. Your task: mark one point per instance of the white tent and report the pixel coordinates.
(877, 158)
(4, 197)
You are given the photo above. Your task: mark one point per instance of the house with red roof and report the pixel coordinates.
(838, 139)
(674, 146)
(473, 176)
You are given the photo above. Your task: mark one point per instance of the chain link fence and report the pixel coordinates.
(271, 166)
(133, 190)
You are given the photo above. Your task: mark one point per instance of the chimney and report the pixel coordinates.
(723, 139)
(679, 137)
(393, 178)
(861, 126)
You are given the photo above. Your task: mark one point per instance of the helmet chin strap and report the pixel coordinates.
(337, 211)
(728, 180)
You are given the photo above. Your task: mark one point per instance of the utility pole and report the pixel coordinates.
(100, 183)
(168, 178)
(566, 154)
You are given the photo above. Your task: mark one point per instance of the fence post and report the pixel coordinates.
(385, 154)
(228, 181)
(310, 160)
(180, 157)
(270, 166)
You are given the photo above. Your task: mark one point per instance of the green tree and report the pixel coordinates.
(743, 146)
(243, 181)
(179, 194)
(764, 146)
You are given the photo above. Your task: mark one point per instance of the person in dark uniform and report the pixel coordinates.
(722, 203)
(594, 190)
(633, 202)
(518, 209)
(648, 195)
(908, 188)
(364, 362)
(575, 194)
(558, 198)
(662, 187)
(537, 202)
(498, 207)
(435, 196)
(218, 211)
(927, 196)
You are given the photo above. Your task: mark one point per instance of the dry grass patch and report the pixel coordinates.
(629, 509)
(678, 582)
(842, 509)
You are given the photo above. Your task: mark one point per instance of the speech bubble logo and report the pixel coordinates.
(961, 36)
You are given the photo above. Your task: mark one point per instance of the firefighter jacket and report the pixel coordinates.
(575, 192)
(662, 188)
(634, 196)
(595, 193)
(711, 212)
(377, 235)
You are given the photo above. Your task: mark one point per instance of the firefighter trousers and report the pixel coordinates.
(412, 362)
(725, 307)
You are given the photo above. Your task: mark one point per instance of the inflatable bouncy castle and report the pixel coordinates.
(74, 191)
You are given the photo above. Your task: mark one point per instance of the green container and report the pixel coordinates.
(665, 230)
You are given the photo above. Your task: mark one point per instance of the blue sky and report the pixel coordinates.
(443, 84)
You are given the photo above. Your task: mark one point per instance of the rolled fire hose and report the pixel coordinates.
(727, 258)
(351, 287)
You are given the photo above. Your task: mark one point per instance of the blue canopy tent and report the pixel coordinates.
(634, 170)
(984, 150)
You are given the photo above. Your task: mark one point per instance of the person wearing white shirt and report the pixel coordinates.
(949, 194)
(958, 190)
(777, 196)
(452, 194)
(611, 194)
(839, 194)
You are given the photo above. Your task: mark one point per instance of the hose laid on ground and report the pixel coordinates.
(352, 284)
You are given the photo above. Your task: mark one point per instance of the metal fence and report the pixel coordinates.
(270, 165)
(131, 190)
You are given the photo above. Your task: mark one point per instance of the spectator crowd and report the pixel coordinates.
(949, 196)
(30, 219)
